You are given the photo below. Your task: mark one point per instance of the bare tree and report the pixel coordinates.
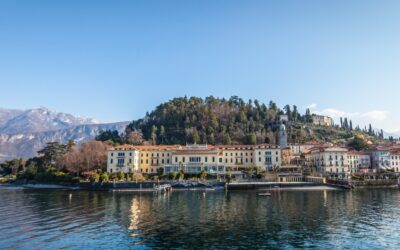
(89, 156)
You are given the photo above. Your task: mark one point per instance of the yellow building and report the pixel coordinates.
(192, 158)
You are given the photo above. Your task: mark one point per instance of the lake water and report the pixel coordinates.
(330, 219)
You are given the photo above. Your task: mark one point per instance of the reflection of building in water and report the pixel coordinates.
(134, 216)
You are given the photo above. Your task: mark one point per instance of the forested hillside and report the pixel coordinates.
(230, 121)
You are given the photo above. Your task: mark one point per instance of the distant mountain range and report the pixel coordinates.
(24, 132)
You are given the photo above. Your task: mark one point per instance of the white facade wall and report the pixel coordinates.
(126, 161)
(330, 162)
(395, 162)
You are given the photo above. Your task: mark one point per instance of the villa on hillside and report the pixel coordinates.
(322, 120)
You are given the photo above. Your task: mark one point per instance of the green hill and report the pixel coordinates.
(232, 121)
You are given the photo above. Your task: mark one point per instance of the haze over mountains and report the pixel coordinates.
(24, 132)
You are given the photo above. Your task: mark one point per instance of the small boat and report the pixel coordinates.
(264, 194)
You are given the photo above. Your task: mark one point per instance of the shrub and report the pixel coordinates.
(104, 177)
(172, 176)
(94, 177)
(120, 176)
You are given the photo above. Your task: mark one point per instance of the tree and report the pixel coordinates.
(181, 175)
(308, 117)
(51, 152)
(162, 134)
(358, 143)
(288, 111)
(88, 157)
(345, 124)
(110, 135)
(295, 113)
(154, 134)
(227, 139)
(272, 105)
(370, 131)
(195, 135)
(252, 139)
(134, 138)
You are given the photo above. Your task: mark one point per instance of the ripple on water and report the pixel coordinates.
(48, 219)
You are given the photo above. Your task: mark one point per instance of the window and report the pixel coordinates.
(112, 154)
(111, 161)
(213, 159)
(183, 159)
(176, 159)
(206, 159)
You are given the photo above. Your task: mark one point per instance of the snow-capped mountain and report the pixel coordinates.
(8, 114)
(24, 132)
(38, 120)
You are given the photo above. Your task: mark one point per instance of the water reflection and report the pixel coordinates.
(287, 219)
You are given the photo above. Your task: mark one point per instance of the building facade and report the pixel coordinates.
(381, 158)
(322, 120)
(192, 158)
(395, 160)
(330, 161)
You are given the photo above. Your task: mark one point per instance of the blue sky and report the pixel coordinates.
(115, 60)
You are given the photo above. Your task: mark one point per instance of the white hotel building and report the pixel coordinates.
(330, 161)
